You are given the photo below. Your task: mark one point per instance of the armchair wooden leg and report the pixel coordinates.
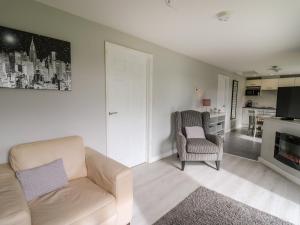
(182, 165)
(218, 163)
(177, 155)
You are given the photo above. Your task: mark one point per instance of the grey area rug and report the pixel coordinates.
(206, 207)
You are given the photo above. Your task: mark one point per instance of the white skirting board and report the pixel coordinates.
(280, 171)
(163, 155)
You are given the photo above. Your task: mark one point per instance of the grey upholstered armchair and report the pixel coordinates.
(197, 149)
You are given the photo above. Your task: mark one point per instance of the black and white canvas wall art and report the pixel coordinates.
(33, 61)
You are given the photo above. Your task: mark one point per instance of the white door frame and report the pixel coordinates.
(148, 100)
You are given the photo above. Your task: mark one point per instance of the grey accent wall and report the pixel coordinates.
(30, 115)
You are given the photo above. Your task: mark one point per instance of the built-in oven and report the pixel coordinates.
(252, 91)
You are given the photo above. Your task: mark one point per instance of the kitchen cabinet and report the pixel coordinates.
(286, 82)
(245, 117)
(274, 83)
(270, 112)
(250, 83)
(259, 111)
(269, 84)
(297, 81)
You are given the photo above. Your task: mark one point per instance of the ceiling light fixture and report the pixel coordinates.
(10, 39)
(223, 16)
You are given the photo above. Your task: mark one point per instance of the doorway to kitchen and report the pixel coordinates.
(245, 141)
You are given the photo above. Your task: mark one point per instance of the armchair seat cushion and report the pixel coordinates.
(80, 202)
(201, 146)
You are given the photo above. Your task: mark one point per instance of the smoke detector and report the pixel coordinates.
(169, 3)
(223, 16)
(275, 68)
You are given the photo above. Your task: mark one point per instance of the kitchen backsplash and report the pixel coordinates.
(266, 99)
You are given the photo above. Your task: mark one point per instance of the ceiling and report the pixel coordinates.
(258, 34)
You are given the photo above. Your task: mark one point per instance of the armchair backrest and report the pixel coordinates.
(70, 149)
(191, 118)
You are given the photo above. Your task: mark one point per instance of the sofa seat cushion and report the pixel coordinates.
(80, 202)
(201, 146)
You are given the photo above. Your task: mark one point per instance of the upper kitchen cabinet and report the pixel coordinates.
(250, 83)
(297, 81)
(286, 82)
(269, 84)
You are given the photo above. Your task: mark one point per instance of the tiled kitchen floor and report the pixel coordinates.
(237, 142)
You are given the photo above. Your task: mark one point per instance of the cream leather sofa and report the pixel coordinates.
(99, 189)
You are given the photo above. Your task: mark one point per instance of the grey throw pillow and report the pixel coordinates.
(41, 180)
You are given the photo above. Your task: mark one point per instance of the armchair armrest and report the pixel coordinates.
(115, 178)
(13, 206)
(181, 145)
(215, 139)
(218, 141)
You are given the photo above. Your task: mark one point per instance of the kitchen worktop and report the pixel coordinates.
(261, 111)
(259, 107)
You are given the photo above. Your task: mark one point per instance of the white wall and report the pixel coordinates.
(30, 115)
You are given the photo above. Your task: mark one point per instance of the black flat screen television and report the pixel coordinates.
(288, 103)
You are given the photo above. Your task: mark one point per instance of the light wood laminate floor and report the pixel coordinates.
(160, 186)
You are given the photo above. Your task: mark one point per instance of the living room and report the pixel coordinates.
(114, 112)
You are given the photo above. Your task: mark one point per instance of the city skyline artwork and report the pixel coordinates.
(32, 61)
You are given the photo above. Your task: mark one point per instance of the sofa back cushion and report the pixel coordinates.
(191, 118)
(70, 149)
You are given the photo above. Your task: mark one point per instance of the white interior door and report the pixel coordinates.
(126, 80)
(223, 98)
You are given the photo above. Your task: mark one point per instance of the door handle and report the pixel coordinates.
(112, 113)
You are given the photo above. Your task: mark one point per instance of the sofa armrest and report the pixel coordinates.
(113, 177)
(181, 145)
(13, 206)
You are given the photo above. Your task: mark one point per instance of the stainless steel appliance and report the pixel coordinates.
(252, 91)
